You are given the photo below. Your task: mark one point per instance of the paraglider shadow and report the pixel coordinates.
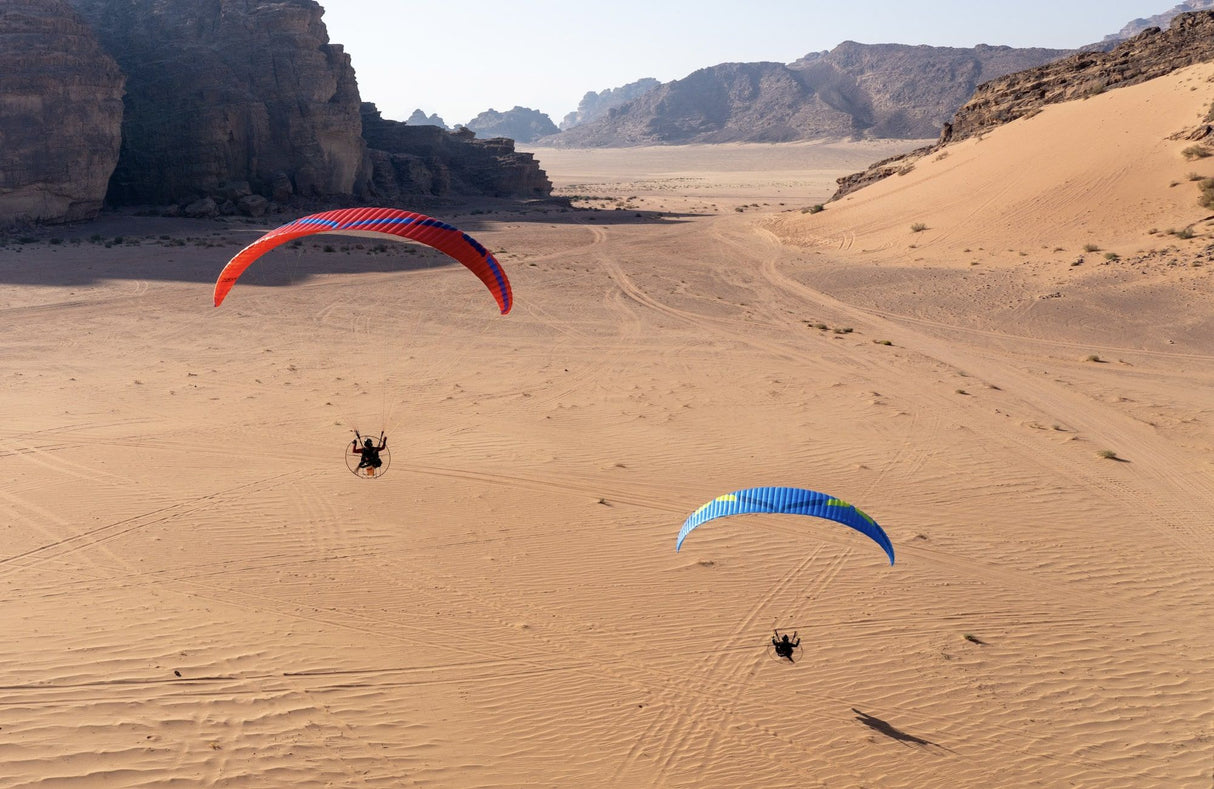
(883, 727)
(198, 256)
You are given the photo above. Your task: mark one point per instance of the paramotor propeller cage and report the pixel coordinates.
(367, 472)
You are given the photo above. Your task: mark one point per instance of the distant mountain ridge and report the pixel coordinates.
(1136, 26)
(520, 123)
(854, 90)
(595, 105)
(419, 118)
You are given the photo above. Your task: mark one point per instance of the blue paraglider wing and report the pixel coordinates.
(787, 501)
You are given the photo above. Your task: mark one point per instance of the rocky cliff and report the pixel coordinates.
(1152, 53)
(60, 114)
(521, 124)
(855, 90)
(229, 90)
(426, 160)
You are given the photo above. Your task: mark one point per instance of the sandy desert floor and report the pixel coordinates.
(194, 591)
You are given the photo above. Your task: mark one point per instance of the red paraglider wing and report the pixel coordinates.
(378, 223)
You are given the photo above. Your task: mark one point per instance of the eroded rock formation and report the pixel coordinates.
(425, 160)
(60, 114)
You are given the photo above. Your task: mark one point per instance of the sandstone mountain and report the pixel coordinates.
(521, 123)
(854, 90)
(1152, 53)
(60, 113)
(595, 105)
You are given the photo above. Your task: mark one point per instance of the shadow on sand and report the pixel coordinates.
(878, 725)
(195, 250)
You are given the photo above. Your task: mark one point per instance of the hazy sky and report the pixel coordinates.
(462, 57)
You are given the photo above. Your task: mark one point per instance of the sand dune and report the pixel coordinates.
(196, 591)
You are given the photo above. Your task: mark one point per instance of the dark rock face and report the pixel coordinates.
(425, 160)
(1152, 53)
(855, 90)
(229, 90)
(60, 114)
(521, 124)
(595, 105)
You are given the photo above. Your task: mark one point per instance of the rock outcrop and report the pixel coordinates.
(521, 124)
(855, 90)
(60, 114)
(426, 160)
(229, 90)
(1152, 53)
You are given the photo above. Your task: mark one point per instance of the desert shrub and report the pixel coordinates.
(1184, 232)
(1207, 193)
(1091, 248)
(1111, 256)
(1196, 152)
(918, 227)
(813, 209)
(1108, 454)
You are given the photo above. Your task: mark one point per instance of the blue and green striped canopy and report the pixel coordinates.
(787, 501)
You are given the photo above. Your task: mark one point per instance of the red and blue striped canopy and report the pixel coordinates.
(378, 223)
